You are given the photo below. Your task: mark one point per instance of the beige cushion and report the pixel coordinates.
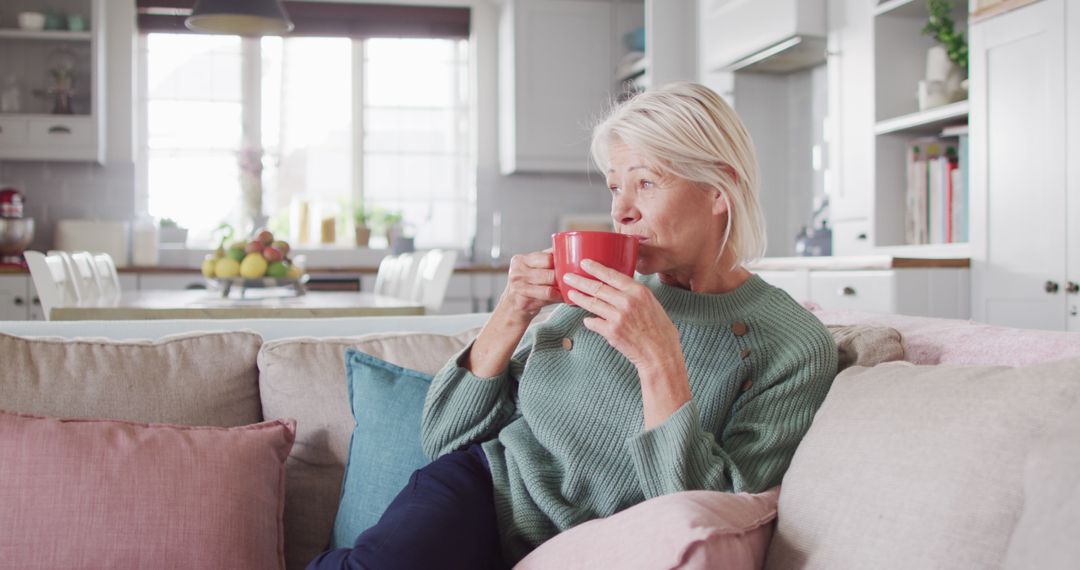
(192, 379)
(917, 466)
(304, 378)
(866, 345)
(1046, 536)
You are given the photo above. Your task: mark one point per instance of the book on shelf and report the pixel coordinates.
(936, 191)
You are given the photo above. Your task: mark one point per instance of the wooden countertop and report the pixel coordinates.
(158, 269)
(854, 262)
(827, 263)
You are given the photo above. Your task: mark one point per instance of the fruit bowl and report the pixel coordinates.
(226, 284)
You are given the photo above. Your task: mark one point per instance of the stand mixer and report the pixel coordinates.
(16, 232)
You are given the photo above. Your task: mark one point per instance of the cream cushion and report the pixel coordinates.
(1046, 536)
(917, 466)
(304, 378)
(201, 379)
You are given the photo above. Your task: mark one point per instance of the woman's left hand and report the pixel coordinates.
(627, 315)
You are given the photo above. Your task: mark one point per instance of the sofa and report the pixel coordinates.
(942, 443)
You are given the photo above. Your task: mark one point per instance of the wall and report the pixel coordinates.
(530, 204)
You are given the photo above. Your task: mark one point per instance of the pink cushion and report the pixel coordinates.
(689, 530)
(116, 494)
(952, 341)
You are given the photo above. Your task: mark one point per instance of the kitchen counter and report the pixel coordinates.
(152, 269)
(854, 263)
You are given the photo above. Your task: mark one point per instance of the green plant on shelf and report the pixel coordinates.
(941, 26)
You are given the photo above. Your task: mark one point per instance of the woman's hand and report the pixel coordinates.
(633, 322)
(627, 315)
(530, 285)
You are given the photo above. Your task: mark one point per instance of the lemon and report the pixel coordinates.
(208, 265)
(253, 266)
(294, 273)
(226, 267)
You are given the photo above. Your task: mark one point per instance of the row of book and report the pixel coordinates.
(937, 189)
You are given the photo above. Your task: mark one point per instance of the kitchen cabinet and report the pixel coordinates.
(33, 131)
(556, 73)
(1024, 90)
(941, 292)
(14, 297)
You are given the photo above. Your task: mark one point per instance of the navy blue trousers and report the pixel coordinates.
(444, 518)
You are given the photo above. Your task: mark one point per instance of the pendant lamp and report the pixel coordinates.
(241, 17)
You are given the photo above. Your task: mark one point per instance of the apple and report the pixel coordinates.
(236, 253)
(272, 254)
(254, 246)
(277, 269)
(283, 246)
(264, 237)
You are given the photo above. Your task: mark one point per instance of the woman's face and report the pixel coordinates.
(679, 225)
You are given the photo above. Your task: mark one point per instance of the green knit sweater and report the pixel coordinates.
(563, 426)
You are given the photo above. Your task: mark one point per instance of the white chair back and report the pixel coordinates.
(108, 278)
(51, 280)
(386, 278)
(81, 294)
(408, 269)
(433, 278)
(87, 274)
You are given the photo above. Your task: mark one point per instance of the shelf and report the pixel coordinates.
(903, 8)
(928, 121)
(52, 116)
(632, 70)
(929, 251)
(49, 35)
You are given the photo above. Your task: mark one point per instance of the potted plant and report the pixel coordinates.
(362, 223)
(169, 231)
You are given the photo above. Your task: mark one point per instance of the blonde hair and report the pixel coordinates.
(693, 134)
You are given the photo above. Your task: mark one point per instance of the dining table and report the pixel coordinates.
(203, 304)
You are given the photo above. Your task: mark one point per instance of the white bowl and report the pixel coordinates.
(31, 20)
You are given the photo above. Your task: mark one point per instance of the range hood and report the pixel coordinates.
(767, 36)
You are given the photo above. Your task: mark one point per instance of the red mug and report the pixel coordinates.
(617, 251)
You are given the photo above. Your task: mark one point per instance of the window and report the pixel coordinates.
(305, 128)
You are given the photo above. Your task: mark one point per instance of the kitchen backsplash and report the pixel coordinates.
(71, 190)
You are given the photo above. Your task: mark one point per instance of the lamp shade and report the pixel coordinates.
(241, 17)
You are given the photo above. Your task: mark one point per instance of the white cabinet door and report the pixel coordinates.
(871, 291)
(795, 282)
(174, 281)
(850, 123)
(14, 300)
(1018, 212)
(555, 76)
(1072, 115)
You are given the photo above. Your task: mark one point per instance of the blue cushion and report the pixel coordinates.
(387, 401)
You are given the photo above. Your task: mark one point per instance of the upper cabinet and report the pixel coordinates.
(51, 80)
(556, 74)
(563, 62)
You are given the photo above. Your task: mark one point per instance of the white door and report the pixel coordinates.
(14, 302)
(1017, 66)
(1072, 115)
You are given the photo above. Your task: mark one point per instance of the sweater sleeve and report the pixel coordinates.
(753, 450)
(461, 407)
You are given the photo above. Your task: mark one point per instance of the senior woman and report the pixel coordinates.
(696, 374)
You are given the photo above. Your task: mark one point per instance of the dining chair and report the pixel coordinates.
(433, 278)
(108, 278)
(386, 278)
(408, 269)
(51, 280)
(84, 276)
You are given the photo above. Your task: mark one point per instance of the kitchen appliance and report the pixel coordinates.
(16, 232)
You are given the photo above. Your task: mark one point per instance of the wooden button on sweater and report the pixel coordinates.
(746, 385)
(745, 352)
(738, 329)
(567, 343)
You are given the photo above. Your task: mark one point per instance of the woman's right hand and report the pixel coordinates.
(530, 285)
